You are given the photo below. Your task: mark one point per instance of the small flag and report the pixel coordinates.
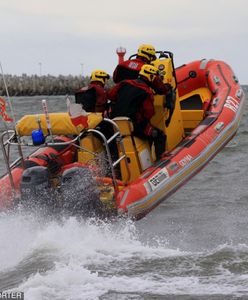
(3, 113)
(78, 115)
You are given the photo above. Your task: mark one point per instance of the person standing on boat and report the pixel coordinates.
(133, 98)
(130, 68)
(94, 96)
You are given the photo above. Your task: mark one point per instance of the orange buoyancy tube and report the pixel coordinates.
(7, 195)
(53, 157)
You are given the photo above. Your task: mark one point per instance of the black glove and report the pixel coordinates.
(168, 86)
(152, 131)
(170, 99)
(157, 132)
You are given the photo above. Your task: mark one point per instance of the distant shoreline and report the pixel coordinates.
(48, 85)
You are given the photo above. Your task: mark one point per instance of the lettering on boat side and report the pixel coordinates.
(173, 166)
(232, 104)
(157, 179)
(187, 159)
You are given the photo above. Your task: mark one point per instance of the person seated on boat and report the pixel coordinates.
(94, 99)
(130, 68)
(133, 98)
(94, 96)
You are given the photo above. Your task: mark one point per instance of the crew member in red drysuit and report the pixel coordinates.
(94, 96)
(129, 69)
(133, 98)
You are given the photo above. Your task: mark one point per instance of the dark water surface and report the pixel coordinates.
(193, 246)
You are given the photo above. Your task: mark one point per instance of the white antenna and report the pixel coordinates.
(45, 109)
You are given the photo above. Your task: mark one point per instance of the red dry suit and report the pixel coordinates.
(93, 97)
(134, 99)
(129, 69)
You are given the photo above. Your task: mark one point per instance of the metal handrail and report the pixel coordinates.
(13, 140)
(116, 136)
(6, 157)
(120, 142)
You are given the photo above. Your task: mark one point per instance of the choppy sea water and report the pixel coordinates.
(193, 246)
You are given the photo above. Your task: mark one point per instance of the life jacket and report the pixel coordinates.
(87, 97)
(129, 101)
(129, 69)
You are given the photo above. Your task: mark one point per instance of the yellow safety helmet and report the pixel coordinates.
(147, 51)
(149, 71)
(99, 75)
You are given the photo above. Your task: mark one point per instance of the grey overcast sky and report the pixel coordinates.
(75, 36)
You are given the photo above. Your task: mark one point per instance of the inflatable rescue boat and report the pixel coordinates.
(72, 168)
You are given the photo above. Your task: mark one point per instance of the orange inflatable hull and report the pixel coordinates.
(177, 166)
(195, 151)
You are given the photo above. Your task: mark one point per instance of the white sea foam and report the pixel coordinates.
(17, 232)
(92, 258)
(74, 281)
(94, 241)
(75, 245)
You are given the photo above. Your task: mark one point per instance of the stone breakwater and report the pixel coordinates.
(32, 85)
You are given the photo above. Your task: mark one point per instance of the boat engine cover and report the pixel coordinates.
(35, 187)
(80, 193)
